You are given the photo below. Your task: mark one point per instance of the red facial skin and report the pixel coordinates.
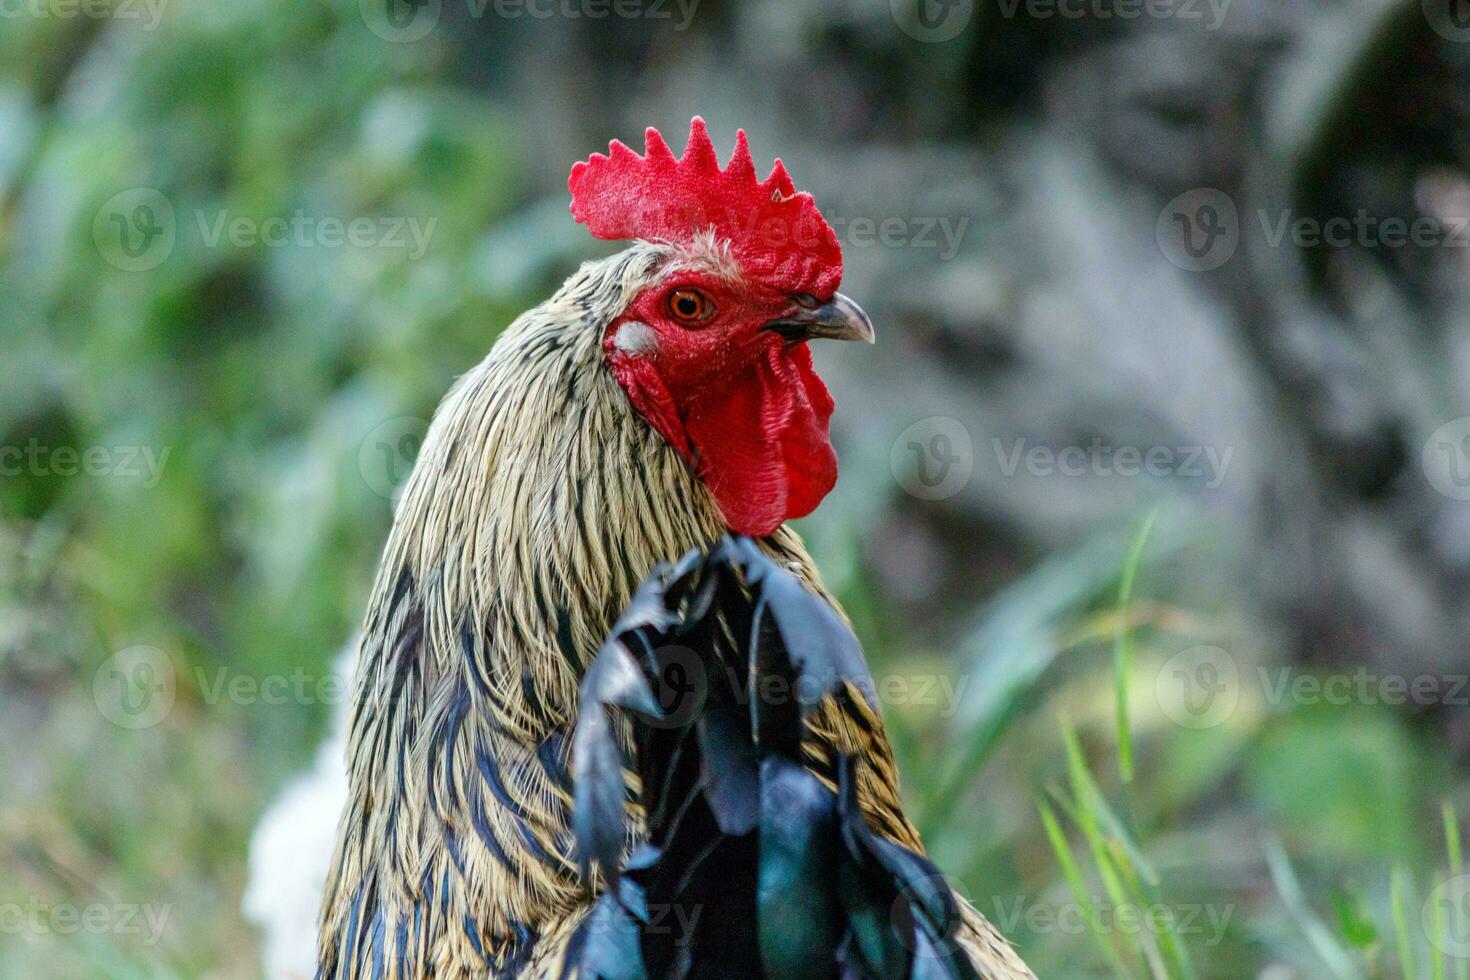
(740, 403)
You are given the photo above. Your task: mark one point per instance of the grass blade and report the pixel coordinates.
(1013, 642)
(1126, 874)
(1123, 646)
(1457, 868)
(1090, 799)
(1403, 938)
(1070, 870)
(1437, 943)
(1337, 959)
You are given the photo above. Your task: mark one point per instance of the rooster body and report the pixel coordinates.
(542, 497)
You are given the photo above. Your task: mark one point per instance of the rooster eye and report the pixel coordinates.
(690, 306)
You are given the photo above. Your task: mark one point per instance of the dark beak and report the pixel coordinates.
(837, 319)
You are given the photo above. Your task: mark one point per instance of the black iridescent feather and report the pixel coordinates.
(751, 866)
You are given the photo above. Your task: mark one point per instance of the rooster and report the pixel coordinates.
(662, 399)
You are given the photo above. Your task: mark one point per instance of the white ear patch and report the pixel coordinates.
(635, 338)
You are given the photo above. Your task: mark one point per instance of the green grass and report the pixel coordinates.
(1210, 837)
(1456, 870)
(1123, 647)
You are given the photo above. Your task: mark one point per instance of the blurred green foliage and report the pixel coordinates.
(254, 374)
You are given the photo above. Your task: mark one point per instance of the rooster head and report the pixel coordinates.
(712, 349)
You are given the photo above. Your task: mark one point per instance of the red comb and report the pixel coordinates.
(776, 234)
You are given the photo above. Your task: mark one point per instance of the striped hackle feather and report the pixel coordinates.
(539, 501)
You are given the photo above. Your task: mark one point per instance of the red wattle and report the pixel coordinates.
(760, 441)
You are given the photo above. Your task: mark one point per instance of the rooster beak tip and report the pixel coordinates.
(843, 319)
(837, 319)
